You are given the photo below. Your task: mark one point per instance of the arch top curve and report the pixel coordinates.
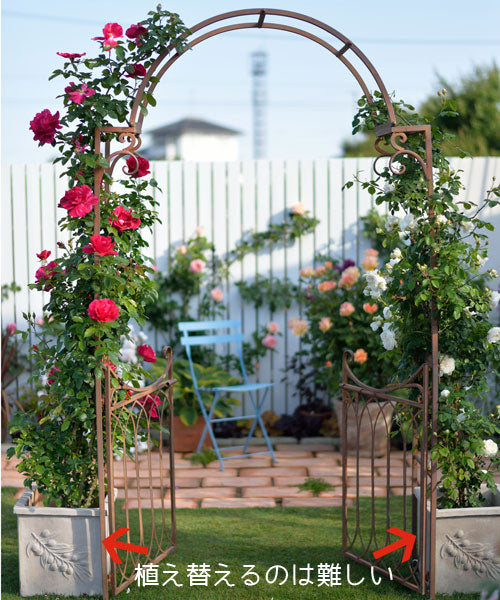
(165, 59)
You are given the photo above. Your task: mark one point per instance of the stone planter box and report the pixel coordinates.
(467, 545)
(59, 549)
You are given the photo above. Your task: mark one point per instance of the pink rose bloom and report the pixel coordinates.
(151, 401)
(273, 327)
(78, 95)
(182, 249)
(200, 231)
(299, 328)
(44, 126)
(306, 272)
(319, 270)
(349, 277)
(325, 324)
(45, 273)
(103, 310)
(370, 308)
(360, 356)
(110, 31)
(269, 341)
(78, 201)
(217, 295)
(371, 252)
(196, 265)
(44, 254)
(298, 208)
(124, 219)
(326, 286)
(70, 55)
(39, 321)
(147, 353)
(346, 309)
(369, 263)
(11, 328)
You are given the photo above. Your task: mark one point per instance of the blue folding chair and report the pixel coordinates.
(204, 340)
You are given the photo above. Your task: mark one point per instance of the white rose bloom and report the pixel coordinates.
(396, 253)
(461, 416)
(392, 221)
(388, 337)
(405, 238)
(446, 365)
(389, 188)
(375, 324)
(408, 222)
(481, 261)
(494, 299)
(467, 226)
(441, 220)
(387, 312)
(142, 337)
(445, 393)
(494, 335)
(490, 448)
(498, 410)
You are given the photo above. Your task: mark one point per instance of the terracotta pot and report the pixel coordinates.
(186, 437)
(368, 426)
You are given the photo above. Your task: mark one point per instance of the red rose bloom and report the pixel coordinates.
(45, 274)
(136, 32)
(44, 126)
(78, 94)
(53, 371)
(100, 244)
(151, 401)
(78, 201)
(139, 71)
(147, 353)
(71, 55)
(124, 219)
(138, 166)
(103, 310)
(110, 31)
(44, 254)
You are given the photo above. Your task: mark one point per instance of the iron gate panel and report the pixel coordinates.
(375, 497)
(140, 470)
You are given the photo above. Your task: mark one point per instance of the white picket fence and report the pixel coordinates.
(226, 199)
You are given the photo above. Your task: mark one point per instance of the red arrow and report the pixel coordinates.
(112, 544)
(407, 539)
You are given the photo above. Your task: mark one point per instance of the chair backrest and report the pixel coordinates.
(188, 341)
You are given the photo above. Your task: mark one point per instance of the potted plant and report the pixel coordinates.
(188, 420)
(97, 282)
(337, 316)
(438, 266)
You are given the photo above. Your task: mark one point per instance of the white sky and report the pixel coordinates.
(311, 95)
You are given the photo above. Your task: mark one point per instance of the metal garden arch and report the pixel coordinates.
(419, 576)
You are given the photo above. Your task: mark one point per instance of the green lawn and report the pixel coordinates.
(261, 537)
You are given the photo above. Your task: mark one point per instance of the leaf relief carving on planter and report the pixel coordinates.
(468, 556)
(57, 556)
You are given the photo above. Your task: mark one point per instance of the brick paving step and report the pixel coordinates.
(273, 472)
(206, 492)
(201, 472)
(293, 452)
(294, 480)
(275, 492)
(239, 482)
(238, 463)
(179, 503)
(311, 502)
(238, 503)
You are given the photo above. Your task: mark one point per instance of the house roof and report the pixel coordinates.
(191, 125)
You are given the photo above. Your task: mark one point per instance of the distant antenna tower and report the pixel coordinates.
(259, 101)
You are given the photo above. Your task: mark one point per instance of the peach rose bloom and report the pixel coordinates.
(369, 263)
(346, 309)
(217, 295)
(319, 270)
(328, 265)
(298, 208)
(299, 328)
(325, 324)
(269, 341)
(306, 272)
(360, 356)
(349, 277)
(200, 231)
(292, 321)
(326, 286)
(273, 327)
(370, 308)
(182, 249)
(371, 252)
(328, 363)
(196, 265)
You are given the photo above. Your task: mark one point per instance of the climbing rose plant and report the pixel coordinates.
(409, 291)
(97, 281)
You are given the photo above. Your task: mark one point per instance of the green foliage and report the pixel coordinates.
(435, 270)
(467, 112)
(57, 439)
(275, 293)
(186, 405)
(315, 485)
(205, 457)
